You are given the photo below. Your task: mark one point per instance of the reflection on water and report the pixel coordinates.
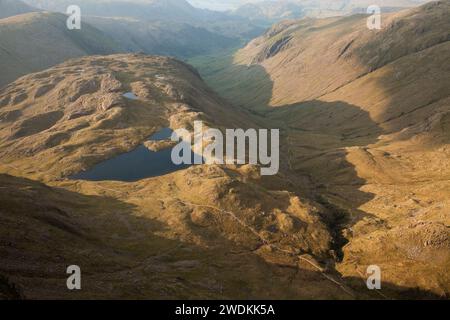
(138, 164)
(163, 134)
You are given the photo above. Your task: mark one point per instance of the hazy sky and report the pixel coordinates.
(219, 4)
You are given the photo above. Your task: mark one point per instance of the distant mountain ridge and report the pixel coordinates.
(277, 10)
(162, 38)
(34, 41)
(22, 35)
(270, 11)
(168, 27)
(173, 11)
(10, 8)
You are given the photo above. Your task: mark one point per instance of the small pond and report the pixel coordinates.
(130, 95)
(136, 165)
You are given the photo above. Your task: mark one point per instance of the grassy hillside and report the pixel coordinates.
(10, 8)
(166, 16)
(23, 36)
(365, 114)
(364, 173)
(157, 232)
(162, 38)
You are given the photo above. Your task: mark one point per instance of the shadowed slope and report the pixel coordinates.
(383, 163)
(235, 224)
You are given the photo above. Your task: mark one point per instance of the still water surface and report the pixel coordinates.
(138, 164)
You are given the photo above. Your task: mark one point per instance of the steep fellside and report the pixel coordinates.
(162, 38)
(161, 20)
(174, 10)
(35, 41)
(204, 232)
(306, 59)
(366, 115)
(10, 8)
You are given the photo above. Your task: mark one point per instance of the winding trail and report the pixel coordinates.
(273, 246)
